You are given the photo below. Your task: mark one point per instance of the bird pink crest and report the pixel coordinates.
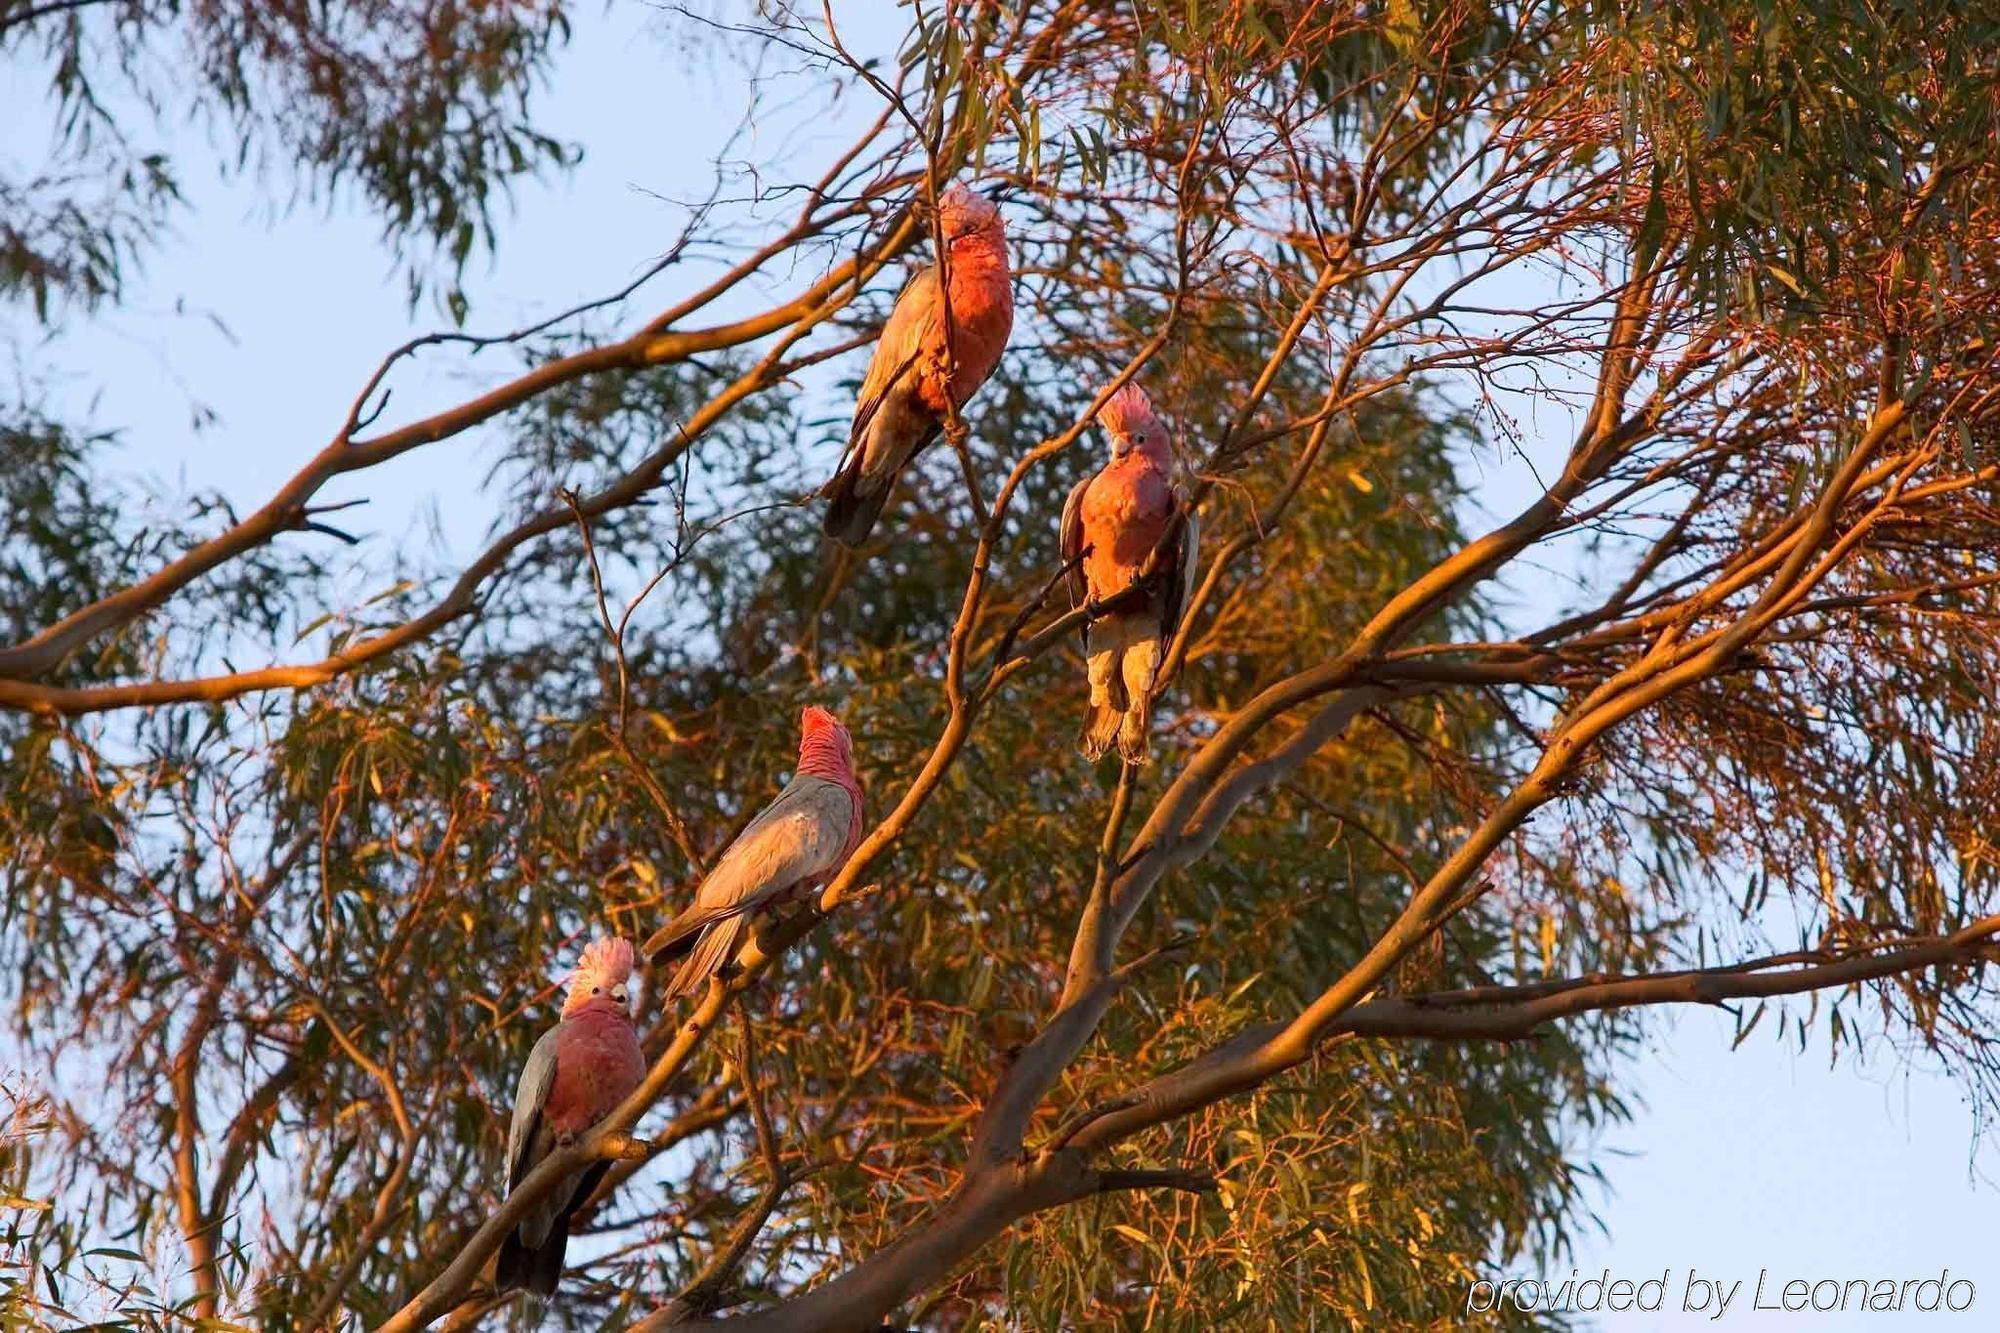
(1126, 410)
(964, 211)
(820, 733)
(825, 748)
(606, 962)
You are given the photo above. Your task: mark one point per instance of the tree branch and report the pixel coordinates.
(649, 347)
(1510, 1013)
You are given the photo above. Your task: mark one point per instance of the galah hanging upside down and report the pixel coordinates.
(1115, 519)
(903, 402)
(578, 1073)
(797, 843)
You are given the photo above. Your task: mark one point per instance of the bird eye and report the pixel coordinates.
(597, 990)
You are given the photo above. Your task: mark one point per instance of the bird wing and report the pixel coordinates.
(797, 837)
(896, 353)
(1072, 547)
(1178, 578)
(530, 1095)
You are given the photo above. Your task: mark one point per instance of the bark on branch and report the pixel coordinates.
(1511, 1013)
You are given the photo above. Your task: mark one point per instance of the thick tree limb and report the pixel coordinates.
(1510, 1013)
(986, 1203)
(993, 1196)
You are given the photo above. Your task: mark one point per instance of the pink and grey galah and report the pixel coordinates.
(1114, 520)
(797, 843)
(578, 1073)
(915, 380)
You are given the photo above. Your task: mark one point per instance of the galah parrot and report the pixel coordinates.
(1115, 519)
(797, 843)
(902, 406)
(578, 1073)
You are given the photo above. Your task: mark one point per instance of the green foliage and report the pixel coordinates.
(1755, 114)
(420, 110)
(300, 943)
(465, 816)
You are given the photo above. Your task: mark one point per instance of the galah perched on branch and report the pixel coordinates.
(1114, 521)
(578, 1073)
(903, 402)
(798, 842)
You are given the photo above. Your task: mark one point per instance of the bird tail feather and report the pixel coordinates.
(854, 502)
(1100, 724)
(675, 938)
(511, 1269)
(1100, 720)
(539, 1268)
(546, 1271)
(1132, 728)
(856, 495)
(712, 952)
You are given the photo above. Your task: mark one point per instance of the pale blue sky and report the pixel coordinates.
(1760, 1159)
